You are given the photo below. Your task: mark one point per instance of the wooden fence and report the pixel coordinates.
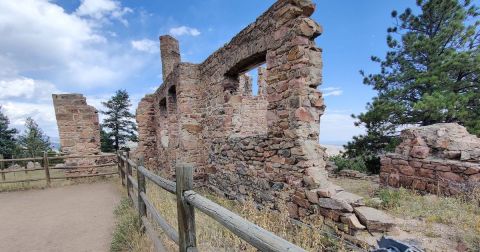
(47, 168)
(187, 201)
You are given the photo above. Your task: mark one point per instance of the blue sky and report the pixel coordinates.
(95, 47)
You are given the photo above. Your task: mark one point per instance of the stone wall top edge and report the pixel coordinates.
(263, 18)
(161, 91)
(431, 160)
(68, 96)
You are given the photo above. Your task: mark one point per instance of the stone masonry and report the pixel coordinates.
(78, 127)
(441, 158)
(77, 124)
(265, 146)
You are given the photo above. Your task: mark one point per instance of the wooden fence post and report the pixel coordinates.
(129, 173)
(2, 167)
(47, 169)
(142, 208)
(186, 212)
(119, 164)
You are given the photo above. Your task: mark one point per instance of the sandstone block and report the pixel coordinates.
(350, 198)
(375, 220)
(352, 221)
(451, 176)
(335, 204)
(406, 170)
(420, 152)
(312, 196)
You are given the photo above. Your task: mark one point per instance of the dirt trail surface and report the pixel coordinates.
(71, 218)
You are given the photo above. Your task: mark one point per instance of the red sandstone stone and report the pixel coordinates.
(451, 176)
(304, 115)
(407, 170)
(420, 151)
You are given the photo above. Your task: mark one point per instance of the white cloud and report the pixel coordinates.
(26, 88)
(184, 30)
(337, 127)
(40, 38)
(146, 45)
(103, 10)
(45, 50)
(42, 113)
(331, 91)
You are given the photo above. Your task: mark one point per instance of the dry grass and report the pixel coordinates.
(459, 213)
(436, 214)
(126, 235)
(212, 236)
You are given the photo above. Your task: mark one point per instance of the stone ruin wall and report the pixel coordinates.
(78, 124)
(79, 129)
(441, 158)
(266, 146)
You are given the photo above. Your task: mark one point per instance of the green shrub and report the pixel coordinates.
(390, 198)
(343, 163)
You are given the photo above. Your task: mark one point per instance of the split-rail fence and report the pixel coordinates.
(47, 168)
(187, 201)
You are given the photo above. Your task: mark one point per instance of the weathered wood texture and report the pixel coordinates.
(81, 167)
(22, 170)
(22, 159)
(2, 167)
(253, 234)
(157, 243)
(169, 230)
(129, 173)
(22, 181)
(142, 208)
(47, 169)
(185, 211)
(86, 175)
(81, 156)
(163, 183)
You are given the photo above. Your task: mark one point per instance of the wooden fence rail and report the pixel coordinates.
(47, 168)
(187, 201)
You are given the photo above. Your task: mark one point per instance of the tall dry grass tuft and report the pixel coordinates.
(459, 212)
(126, 235)
(212, 236)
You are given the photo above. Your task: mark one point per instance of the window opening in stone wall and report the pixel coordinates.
(245, 74)
(172, 100)
(257, 76)
(163, 107)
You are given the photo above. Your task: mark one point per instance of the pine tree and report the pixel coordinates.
(106, 141)
(119, 119)
(33, 142)
(7, 137)
(430, 75)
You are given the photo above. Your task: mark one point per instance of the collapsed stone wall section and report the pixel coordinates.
(441, 158)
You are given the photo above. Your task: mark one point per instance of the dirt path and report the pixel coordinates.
(71, 218)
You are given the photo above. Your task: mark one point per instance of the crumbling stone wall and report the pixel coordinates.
(266, 146)
(441, 158)
(79, 131)
(78, 124)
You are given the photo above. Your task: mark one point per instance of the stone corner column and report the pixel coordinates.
(170, 53)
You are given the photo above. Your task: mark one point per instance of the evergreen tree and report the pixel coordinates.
(119, 120)
(7, 137)
(33, 142)
(106, 141)
(429, 75)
